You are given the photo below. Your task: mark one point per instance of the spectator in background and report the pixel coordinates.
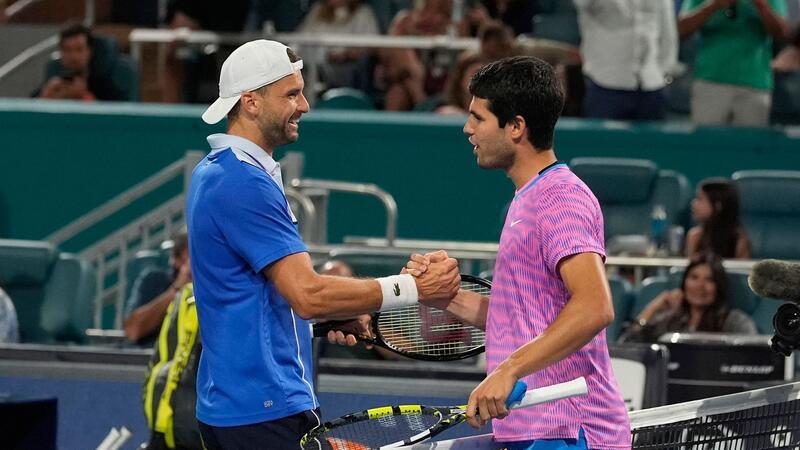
(628, 48)
(339, 66)
(456, 91)
(788, 60)
(153, 291)
(497, 40)
(701, 304)
(409, 80)
(83, 75)
(229, 16)
(9, 326)
(733, 79)
(719, 229)
(517, 14)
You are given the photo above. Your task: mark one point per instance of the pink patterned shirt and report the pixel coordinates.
(552, 217)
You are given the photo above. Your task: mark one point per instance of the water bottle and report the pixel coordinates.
(658, 227)
(675, 240)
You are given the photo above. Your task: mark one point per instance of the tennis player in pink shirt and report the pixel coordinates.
(550, 302)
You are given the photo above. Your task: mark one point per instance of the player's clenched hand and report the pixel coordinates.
(440, 281)
(360, 326)
(488, 400)
(418, 264)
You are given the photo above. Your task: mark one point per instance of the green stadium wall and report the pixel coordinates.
(60, 160)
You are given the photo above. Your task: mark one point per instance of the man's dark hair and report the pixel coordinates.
(75, 30)
(235, 110)
(522, 86)
(180, 242)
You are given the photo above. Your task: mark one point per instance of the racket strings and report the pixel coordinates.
(431, 331)
(374, 433)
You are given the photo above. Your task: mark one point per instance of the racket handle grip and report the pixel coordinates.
(517, 393)
(550, 393)
(321, 329)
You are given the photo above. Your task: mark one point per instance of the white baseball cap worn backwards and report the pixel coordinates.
(253, 65)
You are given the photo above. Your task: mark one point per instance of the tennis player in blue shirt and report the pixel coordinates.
(254, 283)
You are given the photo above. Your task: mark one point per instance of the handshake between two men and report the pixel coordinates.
(434, 281)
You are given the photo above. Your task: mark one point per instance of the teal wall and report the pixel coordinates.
(59, 160)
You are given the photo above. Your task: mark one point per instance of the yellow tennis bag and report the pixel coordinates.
(170, 387)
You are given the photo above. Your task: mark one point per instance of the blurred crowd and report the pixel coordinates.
(716, 61)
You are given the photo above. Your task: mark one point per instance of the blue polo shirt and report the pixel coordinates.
(256, 359)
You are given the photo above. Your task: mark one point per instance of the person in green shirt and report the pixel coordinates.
(733, 78)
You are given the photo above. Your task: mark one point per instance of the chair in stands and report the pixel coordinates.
(786, 99)
(557, 22)
(53, 292)
(344, 98)
(770, 209)
(108, 61)
(142, 261)
(622, 297)
(628, 189)
(647, 291)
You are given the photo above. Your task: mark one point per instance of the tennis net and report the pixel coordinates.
(761, 419)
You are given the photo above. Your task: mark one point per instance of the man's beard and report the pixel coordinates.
(276, 134)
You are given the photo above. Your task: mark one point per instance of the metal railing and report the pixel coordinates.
(356, 188)
(42, 46)
(182, 166)
(111, 255)
(141, 36)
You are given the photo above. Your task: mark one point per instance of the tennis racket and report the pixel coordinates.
(397, 426)
(422, 332)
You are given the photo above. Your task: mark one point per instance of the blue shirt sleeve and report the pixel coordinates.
(256, 223)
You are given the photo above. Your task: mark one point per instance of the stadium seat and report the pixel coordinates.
(52, 292)
(622, 298)
(557, 27)
(143, 260)
(628, 189)
(68, 299)
(558, 21)
(344, 98)
(647, 291)
(786, 99)
(770, 208)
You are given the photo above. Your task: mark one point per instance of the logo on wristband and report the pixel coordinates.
(397, 289)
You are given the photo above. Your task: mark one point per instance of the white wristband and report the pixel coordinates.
(398, 291)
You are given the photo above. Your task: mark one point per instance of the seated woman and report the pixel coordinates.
(701, 304)
(719, 230)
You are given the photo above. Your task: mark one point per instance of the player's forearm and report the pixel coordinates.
(579, 322)
(470, 308)
(330, 297)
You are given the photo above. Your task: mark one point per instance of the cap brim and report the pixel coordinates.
(219, 109)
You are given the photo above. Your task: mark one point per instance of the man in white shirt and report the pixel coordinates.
(628, 47)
